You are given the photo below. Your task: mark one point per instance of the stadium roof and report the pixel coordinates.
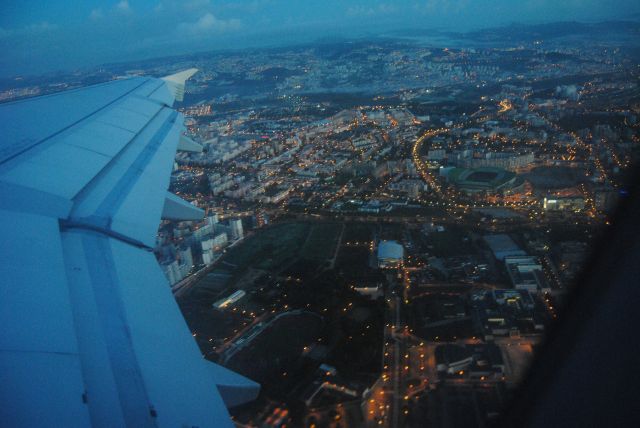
(484, 178)
(390, 250)
(502, 246)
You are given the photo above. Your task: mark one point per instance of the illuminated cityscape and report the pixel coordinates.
(492, 179)
(389, 224)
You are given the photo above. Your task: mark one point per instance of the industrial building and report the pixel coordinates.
(571, 203)
(230, 300)
(502, 246)
(525, 273)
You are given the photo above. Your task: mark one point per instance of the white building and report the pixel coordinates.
(186, 256)
(212, 219)
(220, 240)
(236, 231)
(525, 273)
(171, 270)
(230, 300)
(390, 254)
(202, 232)
(208, 257)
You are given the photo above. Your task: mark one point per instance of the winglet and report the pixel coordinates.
(235, 389)
(177, 81)
(176, 208)
(186, 144)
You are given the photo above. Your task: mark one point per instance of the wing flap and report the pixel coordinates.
(40, 375)
(42, 389)
(35, 311)
(162, 344)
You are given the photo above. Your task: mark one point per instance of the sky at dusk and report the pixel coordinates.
(39, 36)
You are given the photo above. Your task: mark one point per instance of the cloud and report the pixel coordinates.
(450, 6)
(96, 14)
(373, 10)
(195, 5)
(121, 8)
(184, 7)
(124, 8)
(28, 31)
(246, 6)
(115, 13)
(208, 24)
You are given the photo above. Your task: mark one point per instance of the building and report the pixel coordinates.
(390, 254)
(436, 154)
(525, 273)
(562, 203)
(261, 219)
(208, 257)
(485, 179)
(236, 231)
(507, 312)
(370, 292)
(212, 219)
(411, 187)
(509, 161)
(206, 244)
(185, 259)
(186, 256)
(502, 246)
(229, 300)
(211, 247)
(200, 233)
(275, 196)
(171, 270)
(476, 361)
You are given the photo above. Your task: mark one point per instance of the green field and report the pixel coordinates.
(270, 248)
(357, 232)
(449, 243)
(322, 241)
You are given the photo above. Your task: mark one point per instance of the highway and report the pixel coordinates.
(397, 370)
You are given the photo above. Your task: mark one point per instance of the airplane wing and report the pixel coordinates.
(91, 334)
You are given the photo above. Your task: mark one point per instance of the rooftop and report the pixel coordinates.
(390, 250)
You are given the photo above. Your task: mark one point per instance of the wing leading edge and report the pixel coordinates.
(92, 335)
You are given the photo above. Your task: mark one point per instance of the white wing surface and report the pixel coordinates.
(91, 334)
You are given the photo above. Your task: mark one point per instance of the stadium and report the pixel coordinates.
(485, 179)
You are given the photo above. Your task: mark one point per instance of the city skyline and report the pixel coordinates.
(38, 37)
